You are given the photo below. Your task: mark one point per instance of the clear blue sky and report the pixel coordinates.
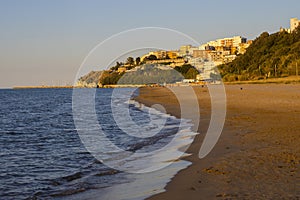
(45, 41)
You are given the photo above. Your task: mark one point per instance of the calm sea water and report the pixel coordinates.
(43, 157)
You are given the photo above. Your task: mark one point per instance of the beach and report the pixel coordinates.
(258, 153)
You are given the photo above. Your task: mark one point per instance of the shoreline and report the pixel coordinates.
(42, 87)
(284, 80)
(257, 155)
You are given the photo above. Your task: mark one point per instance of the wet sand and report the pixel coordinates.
(258, 153)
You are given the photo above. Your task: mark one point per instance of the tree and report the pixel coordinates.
(191, 73)
(152, 57)
(137, 60)
(268, 54)
(118, 64)
(116, 67)
(187, 70)
(130, 61)
(110, 78)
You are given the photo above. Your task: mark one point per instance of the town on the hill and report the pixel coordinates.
(203, 58)
(197, 64)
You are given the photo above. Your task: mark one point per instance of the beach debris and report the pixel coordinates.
(212, 170)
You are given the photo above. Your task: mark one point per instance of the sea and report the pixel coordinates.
(44, 154)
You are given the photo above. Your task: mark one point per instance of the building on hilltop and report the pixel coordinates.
(243, 46)
(162, 54)
(172, 54)
(219, 51)
(224, 50)
(121, 69)
(228, 42)
(233, 45)
(294, 23)
(288, 30)
(185, 50)
(171, 62)
(201, 54)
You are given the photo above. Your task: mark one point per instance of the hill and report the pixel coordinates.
(269, 56)
(89, 80)
(148, 73)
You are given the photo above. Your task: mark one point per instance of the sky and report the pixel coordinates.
(44, 42)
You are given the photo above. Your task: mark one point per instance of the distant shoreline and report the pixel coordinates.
(62, 87)
(286, 80)
(42, 87)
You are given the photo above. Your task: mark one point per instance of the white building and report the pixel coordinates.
(237, 40)
(294, 23)
(184, 50)
(192, 49)
(233, 42)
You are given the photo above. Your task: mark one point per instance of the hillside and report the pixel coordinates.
(151, 73)
(89, 80)
(270, 55)
(148, 73)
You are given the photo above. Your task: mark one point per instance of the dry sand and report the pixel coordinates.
(258, 153)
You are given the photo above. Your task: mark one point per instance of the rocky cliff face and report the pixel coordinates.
(89, 80)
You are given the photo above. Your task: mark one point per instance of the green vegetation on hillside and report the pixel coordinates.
(269, 56)
(151, 74)
(188, 71)
(148, 73)
(110, 77)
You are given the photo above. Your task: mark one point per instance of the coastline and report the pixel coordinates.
(283, 80)
(257, 155)
(43, 87)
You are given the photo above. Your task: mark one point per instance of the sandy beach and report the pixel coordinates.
(258, 153)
